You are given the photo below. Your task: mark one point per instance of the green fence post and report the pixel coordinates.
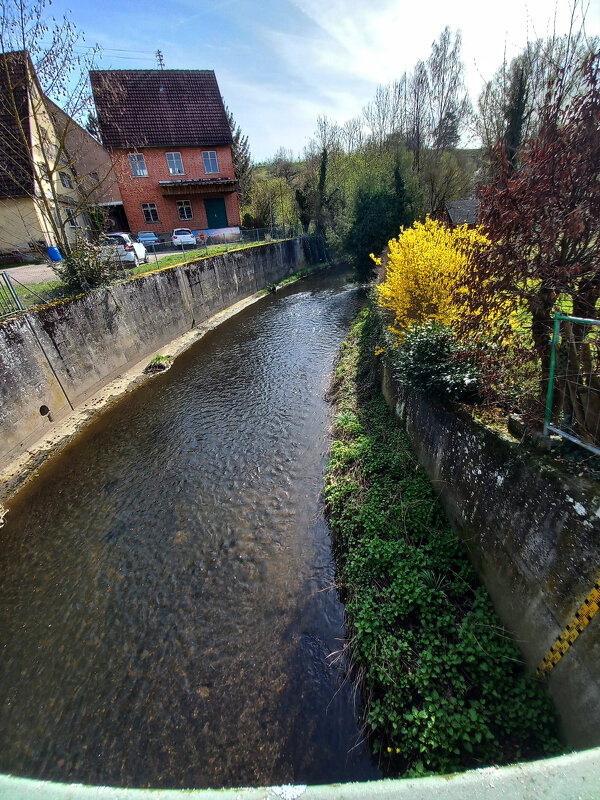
(550, 392)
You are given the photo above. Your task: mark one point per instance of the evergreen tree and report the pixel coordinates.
(242, 162)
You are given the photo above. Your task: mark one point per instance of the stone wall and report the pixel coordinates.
(59, 355)
(533, 534)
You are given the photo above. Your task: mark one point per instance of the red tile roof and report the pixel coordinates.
(159, 108)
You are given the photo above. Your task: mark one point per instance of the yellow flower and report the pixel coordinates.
(426, 272)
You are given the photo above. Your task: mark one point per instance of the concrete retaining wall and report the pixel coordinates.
(533, 534)
(59, 355)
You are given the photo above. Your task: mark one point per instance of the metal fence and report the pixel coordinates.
(10, 302)
(204, 245)
(573, 400)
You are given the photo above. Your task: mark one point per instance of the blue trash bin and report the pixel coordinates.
(54, 253)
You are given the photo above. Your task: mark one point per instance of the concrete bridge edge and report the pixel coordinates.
(575, 776)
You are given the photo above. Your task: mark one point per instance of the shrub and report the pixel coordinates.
(86, 267)
(427, 266)
(430, 359)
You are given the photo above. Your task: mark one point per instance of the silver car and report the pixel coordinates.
(122, 247)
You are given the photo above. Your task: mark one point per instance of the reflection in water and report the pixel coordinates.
(166, 610)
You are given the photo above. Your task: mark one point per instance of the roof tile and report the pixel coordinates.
(160, 108)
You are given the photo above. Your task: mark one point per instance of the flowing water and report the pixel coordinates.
(166, 605)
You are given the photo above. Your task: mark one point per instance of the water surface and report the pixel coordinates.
(167, 616)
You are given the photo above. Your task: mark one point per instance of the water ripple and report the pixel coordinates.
(166, 609)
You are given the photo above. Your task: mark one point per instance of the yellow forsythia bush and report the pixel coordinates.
(427, 269)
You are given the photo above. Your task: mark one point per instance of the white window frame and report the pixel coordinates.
(209, 157)
(174, 168)
(147, 210)
(65, 179)
(137, 162)
(183, 205)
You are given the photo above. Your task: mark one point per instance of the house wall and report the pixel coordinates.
(19, 223)
(136, 191)
(87, 156)
(42, 121)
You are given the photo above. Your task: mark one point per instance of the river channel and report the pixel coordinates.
(167, 610)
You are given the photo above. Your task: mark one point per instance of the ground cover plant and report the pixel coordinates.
(443, 684)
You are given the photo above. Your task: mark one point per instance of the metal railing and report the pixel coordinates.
(573, 399)
(10, 302)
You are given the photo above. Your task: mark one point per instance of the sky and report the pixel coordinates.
(282, 63)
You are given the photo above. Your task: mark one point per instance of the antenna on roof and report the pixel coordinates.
(160, 61)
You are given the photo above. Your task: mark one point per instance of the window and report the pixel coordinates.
(85, 220)
(72, 219)
(138, 165)
(150, 212)
(185, 209)
(175, 163)
(210, 161)
(65, 179)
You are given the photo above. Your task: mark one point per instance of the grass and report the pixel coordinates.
(176, 259)
(33, 294)
(443, 685)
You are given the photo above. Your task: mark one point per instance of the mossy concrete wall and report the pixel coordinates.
(59, 355)
(533, 534)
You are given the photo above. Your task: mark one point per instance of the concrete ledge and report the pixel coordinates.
(572, 777)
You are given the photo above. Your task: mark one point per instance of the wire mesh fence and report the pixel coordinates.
(573, 401)
(17, 295)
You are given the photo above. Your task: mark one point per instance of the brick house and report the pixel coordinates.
(170, 143)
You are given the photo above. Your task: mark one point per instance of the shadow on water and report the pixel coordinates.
(167, 603)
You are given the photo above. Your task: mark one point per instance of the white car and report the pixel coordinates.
(182, 236)
(122, 247)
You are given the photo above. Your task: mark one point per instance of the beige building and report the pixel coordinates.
(53, 173)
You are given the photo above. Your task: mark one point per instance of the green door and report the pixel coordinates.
(216, 216)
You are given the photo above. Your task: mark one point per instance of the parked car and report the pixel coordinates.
(182, 236)
(122, 247)
(148, 238)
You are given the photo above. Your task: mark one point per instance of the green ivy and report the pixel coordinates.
(443, 683)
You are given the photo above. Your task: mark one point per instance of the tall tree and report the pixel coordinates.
(242, 161)
(511, 102)
(450, 107)
(44, 149)
(543, 217)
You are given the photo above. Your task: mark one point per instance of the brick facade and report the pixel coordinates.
(138, 190)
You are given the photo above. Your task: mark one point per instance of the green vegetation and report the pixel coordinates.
(443, 685)
(159, 364)
(297, 276)
(190, 255)
(36, 294)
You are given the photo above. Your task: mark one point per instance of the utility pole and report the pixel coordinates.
(160, 61)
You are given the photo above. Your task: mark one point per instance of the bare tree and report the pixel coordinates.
(510, 103)
(450, 107)
(46, 157)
